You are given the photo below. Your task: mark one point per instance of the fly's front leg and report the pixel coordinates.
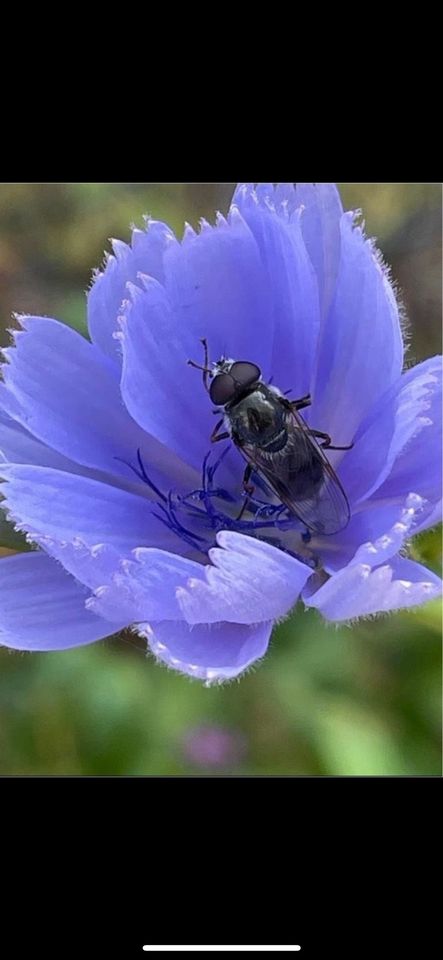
(248, 489)
(221, 436)
(327, 444)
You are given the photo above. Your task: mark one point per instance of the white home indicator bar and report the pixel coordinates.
(281, 949)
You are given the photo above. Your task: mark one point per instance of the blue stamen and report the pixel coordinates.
(199, 508)
(141, 474)
(175, 523)
(146, 478)
(183, 536)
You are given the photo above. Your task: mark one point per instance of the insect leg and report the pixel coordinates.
(302, 402)
(248, 489)
(296, 404)
(327, 444)
(222, 436)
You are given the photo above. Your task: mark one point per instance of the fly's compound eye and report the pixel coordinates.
(245, 373)
(222, 389)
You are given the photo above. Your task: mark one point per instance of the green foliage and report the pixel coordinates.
(326, 701)
(11, 539)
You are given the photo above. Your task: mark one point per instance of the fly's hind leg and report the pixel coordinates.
(302, 402)
(248, 489)
(296, 404)
(327, 444)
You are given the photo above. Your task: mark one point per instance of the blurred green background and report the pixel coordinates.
(364, 700)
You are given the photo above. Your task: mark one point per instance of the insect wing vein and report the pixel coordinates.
(323, 508)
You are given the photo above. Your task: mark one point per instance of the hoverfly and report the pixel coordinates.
(277, 444)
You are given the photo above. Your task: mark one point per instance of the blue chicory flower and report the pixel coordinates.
(108, 467)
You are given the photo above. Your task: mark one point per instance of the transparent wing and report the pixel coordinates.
(303, 479)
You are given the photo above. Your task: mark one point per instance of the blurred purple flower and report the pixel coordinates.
(211, 746)
(106, 442)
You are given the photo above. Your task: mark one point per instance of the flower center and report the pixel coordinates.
(199, 515)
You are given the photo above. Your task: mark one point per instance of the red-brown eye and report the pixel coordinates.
(245, 373)
(222, 389)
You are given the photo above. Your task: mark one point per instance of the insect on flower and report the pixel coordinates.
(137, 520)
(270, 433)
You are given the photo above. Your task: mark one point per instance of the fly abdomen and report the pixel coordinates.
(306, 480)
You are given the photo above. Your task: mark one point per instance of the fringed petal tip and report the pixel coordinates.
(215, 653)
(359, 591)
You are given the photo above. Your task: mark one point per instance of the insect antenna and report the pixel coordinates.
(206, 369)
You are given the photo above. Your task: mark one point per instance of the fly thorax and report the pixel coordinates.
(259, 420)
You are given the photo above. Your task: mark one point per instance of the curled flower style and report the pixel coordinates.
(137, 519)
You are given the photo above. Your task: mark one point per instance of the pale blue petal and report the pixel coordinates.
(145, 255)
(67, 394)
(90, 565)
(359, 590)
(17, 445)
(63, 506)
(431, 518)
(43, 608)
(214, 652)
(217, 289)
(249, 581)
(379, 530)
(61, 389)
(360, 350)
(56, 509)
(144, 587)
(418, 464)
(320, 224)
(161, 391)
(292, 287)
(399, 442)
